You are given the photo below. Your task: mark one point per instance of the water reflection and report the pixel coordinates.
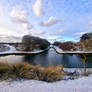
(52, 58)
(11, 59)
(48, 58)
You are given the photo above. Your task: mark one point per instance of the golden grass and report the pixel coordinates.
(27, 71)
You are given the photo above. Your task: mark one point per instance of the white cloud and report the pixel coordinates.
(51, 21)
(27, 26)
(40, 32)
(37, 32)
(18, 15)
(53, 37)
(77, 39)
(58, 32)
(6, 31)
(37, 8)
(79, 34)
(21, 16)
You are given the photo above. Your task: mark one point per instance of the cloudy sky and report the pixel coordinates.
(50, 19)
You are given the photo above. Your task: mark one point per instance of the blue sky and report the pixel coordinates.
(50, 19)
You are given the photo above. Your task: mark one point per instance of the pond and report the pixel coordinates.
(48, 58)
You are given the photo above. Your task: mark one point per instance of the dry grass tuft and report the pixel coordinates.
(27, 71)
(52, 73)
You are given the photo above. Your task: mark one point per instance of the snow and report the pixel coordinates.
(37, 51)
(58, 49)
(79, 70)
(82, 84)
(11, 49)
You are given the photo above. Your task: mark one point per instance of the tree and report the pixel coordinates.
(84, 37)
(31, 42)
(28, 42)
(86, 41)
(44, 44)
(57, 43)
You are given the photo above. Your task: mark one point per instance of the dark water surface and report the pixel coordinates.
(48, 58)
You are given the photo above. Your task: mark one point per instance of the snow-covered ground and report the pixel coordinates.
(83, 84)
(11, 49)
(58, 49)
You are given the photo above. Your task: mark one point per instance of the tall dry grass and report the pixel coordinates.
(27, 71)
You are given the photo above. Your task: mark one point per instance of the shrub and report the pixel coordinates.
(68, 46)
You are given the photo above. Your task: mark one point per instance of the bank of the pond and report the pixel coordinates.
(47, 58)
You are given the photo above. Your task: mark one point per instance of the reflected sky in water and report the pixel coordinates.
(48, 58)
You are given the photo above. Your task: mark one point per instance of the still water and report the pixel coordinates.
(48, 58)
